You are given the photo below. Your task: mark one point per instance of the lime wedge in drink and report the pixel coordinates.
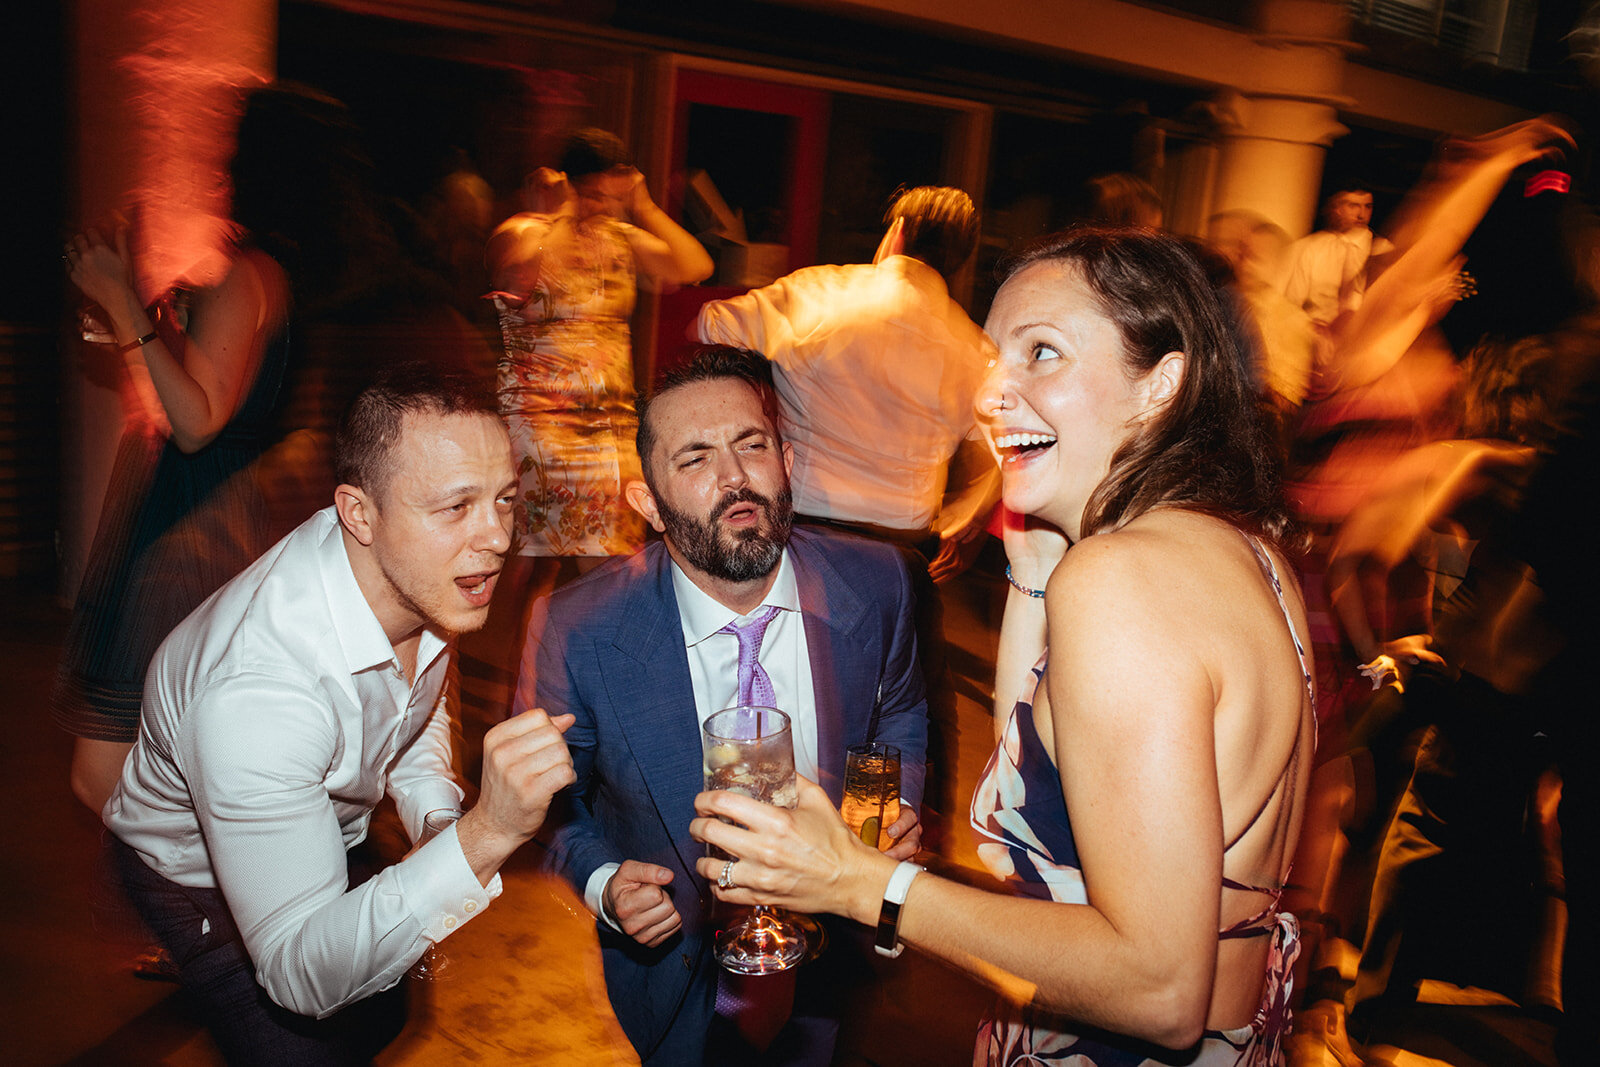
(869, 830)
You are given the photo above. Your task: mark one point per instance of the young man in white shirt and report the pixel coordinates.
(277, 716)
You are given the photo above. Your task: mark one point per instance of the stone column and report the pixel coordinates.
(1280, 118)
(156, 85)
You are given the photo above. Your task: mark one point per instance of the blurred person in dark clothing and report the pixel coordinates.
(210, 378)
(1553, 537)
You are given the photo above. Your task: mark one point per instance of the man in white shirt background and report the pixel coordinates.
(277, 716)
(876, 367)
(1325, 273)
(641, 652)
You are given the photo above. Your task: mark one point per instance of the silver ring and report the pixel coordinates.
(725, 879)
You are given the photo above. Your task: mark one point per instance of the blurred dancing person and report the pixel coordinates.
(876, 368)
(211, 378)
(565, 272)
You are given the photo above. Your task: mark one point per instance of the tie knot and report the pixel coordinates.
(752, 631)
(754, 684)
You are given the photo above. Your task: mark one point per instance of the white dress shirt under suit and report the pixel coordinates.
(275, 718)
(714, 673)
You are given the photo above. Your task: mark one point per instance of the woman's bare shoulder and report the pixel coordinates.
(1156, 548)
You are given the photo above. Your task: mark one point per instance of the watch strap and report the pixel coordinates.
(887, 942)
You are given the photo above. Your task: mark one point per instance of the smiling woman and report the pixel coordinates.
(1148, 788)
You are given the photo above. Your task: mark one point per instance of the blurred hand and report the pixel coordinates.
(636, 898)
(1413, 649)
(638, 199)
(547, 192)
(100, 266)
(1519, 143)
(957, 552)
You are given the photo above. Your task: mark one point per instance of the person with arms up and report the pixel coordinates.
(565, 274)
(645, 649)
(279, 714)
(210, 372)
(1148, 787)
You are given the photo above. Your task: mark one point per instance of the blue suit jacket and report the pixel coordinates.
(612, 653)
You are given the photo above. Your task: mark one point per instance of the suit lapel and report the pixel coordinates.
(833, 613)
(647, 680)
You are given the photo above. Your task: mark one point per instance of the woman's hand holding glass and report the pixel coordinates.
(803, 859)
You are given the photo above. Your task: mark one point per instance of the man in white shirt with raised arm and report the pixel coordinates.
(278, 715)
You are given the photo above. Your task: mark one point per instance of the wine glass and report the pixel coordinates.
(750, 750)
(434, 964)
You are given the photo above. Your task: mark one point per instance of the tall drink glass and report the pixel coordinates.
(871, 792)
(750, 750)
(434, 964)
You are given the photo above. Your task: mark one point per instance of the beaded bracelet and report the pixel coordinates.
(1019, 587)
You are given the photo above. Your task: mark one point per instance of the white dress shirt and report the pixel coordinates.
(274, 719)
(876, 370)
(714, 673)
(1326, 272)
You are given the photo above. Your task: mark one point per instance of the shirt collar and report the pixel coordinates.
(360, 633)
(702, 616)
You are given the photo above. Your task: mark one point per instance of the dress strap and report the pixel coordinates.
(1262, 921)
(1271, 570)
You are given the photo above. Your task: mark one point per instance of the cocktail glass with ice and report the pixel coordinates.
(750, 750)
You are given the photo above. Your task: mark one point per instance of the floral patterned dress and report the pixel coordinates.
(1025, 838)
(565, 383)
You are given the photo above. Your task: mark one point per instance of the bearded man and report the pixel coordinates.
(642, 651)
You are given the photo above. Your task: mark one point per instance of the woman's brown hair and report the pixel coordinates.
(1210, 448)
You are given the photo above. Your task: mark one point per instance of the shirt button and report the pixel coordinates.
(449, 922)
(470, 906)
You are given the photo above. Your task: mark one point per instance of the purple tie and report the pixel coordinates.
(754, 685)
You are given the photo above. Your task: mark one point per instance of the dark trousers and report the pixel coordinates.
(1451, 898)
(216, 973)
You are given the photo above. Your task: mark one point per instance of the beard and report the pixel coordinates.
(738, 557)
